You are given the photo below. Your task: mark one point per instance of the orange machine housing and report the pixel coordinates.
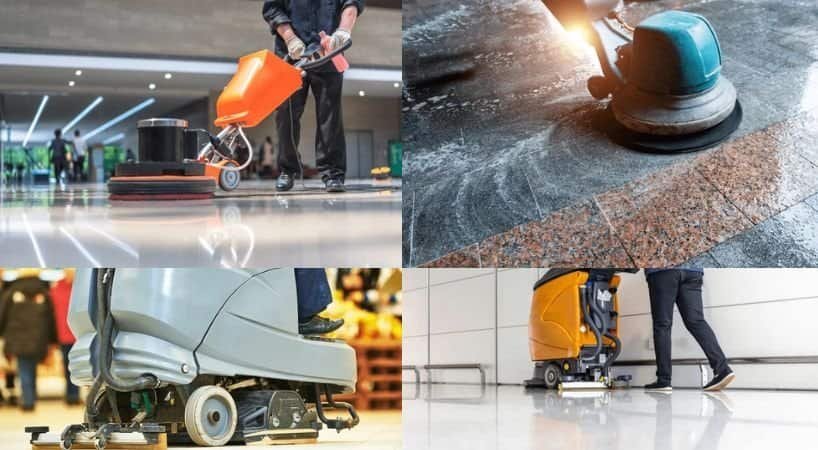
(556, 331)
(261, 83)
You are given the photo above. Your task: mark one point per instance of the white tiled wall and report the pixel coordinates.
(479, 315)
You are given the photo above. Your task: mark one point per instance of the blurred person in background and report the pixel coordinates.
(61, 296)
(58, 154)
(80, 150)
(28, 329)
(266, 157)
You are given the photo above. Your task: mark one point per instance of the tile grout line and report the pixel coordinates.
(613, 231)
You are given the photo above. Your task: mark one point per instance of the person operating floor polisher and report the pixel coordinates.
(169, 166)
(207, 356)
(573, 329)
(296, 25)
(663, 76)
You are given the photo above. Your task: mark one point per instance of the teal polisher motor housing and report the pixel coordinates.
(663, 76)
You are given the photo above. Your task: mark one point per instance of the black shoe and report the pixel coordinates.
(659, 386)
(285, 182)
(73, 402)
(319, 325)
(335, 185)
(27, 408)
(720, 381)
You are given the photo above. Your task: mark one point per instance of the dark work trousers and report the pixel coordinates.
(330, 143)
(312, 291)
(684, 288)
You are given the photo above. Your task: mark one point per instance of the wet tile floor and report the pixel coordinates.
(250, 227)
(448, 416)
(504, 166)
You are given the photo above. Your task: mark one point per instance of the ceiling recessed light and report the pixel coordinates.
(78, 73)
(361, 93)
(72, 83)
(397, 85)
(168, 76)
(152, 86)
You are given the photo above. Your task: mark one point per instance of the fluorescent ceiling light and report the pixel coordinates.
(36, 119)
(78, 73)
(56, 60)
(116, 63)
(114, 138)
(81, 115)
(121, 117)
(152, 86)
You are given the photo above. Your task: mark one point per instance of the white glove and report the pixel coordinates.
(295, 48)
(339, 39)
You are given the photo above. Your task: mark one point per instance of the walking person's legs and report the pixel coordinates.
(330, 142)
(663, 287)
(72, 391)
(27, 369)
(691, 309)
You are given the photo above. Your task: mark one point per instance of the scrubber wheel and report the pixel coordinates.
(211, 416)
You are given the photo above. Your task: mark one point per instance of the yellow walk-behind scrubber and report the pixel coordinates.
(573, 329)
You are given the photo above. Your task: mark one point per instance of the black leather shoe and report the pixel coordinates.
(335, 185)
(720, 381)
(659, 386)
(319, 325)
(285, 182)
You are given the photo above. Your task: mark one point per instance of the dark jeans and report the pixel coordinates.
(79, 164)
(312, 290)
(27, 370)
(59, 166)
(330, 143)
(72, 392)
(684, 288)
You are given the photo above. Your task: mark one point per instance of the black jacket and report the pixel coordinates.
(27, 318)
(307, 17)
(58, 149)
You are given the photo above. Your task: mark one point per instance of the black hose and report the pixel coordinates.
(586, 312)
(105, 342)
(617, 351)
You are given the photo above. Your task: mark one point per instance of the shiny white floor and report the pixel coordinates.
(378, 430)
(253, 226)
(509, 417)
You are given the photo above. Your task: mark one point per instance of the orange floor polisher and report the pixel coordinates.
(172, 167)
(574, 329)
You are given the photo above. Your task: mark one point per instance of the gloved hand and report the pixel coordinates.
(295, 48)
(339, 38)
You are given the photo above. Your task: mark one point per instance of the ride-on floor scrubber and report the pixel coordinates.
(573, 329)
(207, 356)
(169, 166)
(663, 76)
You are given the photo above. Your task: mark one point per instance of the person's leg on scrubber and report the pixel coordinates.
(684, 288)
(313, 292)
(297, 24)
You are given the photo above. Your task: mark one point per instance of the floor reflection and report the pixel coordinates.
(252, 226)
(456, 416)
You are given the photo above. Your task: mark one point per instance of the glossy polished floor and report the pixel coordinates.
(377, 430)
(509, 417)
(251, 227)
(507, 167)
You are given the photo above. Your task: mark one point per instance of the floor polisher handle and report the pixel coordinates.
(306, 64)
